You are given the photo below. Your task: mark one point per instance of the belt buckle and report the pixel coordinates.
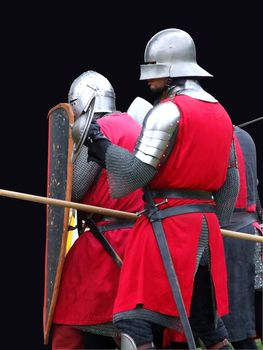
(139, 213)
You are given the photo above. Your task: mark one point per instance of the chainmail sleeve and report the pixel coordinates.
(259, 209)
(84, 174)
(126, 173)
(226, 197)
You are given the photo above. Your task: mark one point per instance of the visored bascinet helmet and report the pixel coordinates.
(88, 85)
(171, 53)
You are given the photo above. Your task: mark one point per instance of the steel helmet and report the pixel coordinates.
(171, 53)
(85, 87)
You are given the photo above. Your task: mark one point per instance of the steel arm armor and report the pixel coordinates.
(159, 126)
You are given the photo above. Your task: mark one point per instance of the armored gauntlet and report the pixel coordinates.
(97, 144)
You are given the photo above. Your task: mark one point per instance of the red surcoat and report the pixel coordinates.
(199, 160)
(90, 276)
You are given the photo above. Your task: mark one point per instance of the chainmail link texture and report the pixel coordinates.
(225, 198)
(84, 174)
(203, 252)
(150, 316)
(105, 329)
(259, 208)
(126, 173)
(258, 260)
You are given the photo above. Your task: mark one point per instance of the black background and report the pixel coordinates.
(43, 49)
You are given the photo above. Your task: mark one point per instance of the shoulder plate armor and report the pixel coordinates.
(191, 88)
(138, 109)
(159, 126)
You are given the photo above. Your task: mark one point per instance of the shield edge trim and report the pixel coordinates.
(47, 320)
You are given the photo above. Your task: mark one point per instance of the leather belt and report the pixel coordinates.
(240, 219)
(182, 193)
(153, 213)
(115, 225)
(180, 209)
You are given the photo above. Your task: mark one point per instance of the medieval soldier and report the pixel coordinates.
(90, 275)
(184, 159)
(244, 258)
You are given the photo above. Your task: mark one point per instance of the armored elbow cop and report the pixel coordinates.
(158, 129)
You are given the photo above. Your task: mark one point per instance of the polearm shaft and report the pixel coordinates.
(242, 235)
(105, 211)
(250, 122)
(68, 204)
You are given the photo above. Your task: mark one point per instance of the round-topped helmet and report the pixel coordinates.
(88, 85)
(171, 53)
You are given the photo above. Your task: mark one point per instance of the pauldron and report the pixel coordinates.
(159, 126)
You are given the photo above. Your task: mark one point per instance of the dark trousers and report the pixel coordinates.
(204, 322)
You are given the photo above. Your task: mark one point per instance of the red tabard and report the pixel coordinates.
(90, 276)
(199, 160)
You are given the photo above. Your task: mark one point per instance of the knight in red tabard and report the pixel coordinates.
(184, 159)
(90, 275)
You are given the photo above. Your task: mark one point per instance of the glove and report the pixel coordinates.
(97, 144)
(94, 134)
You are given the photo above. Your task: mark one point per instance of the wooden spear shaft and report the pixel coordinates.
(105, 211)
(68, 204)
